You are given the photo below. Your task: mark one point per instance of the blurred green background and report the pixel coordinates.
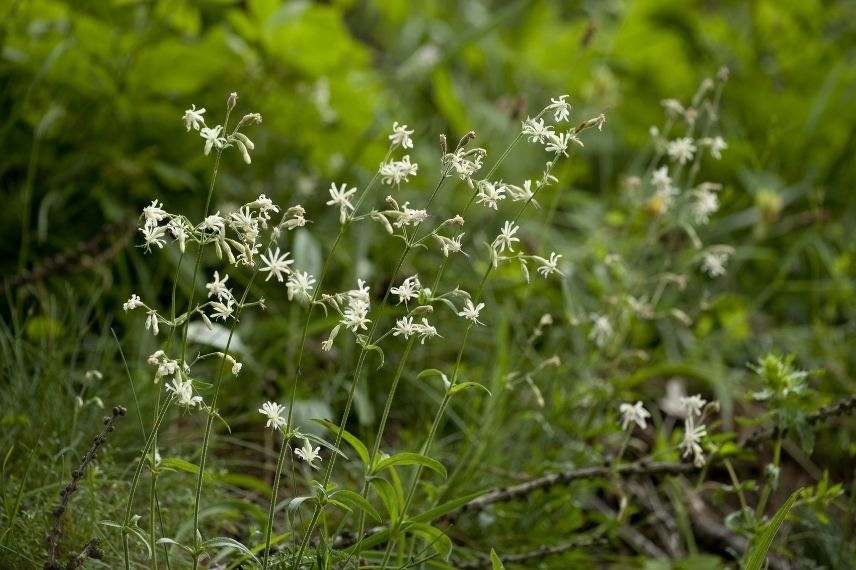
(91, 95)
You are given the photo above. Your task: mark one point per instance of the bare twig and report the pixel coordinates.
(67, 491)
(550, 480)
(540, 552)
(91, 550)
(845, 406)
(103, 246)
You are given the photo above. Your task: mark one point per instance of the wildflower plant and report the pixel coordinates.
(418, 305)
(253, 238)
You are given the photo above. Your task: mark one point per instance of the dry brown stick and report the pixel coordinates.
(842, 407)
(76, 476)
(540, 552)
(85, 255)
(563, 477)
(641, 467)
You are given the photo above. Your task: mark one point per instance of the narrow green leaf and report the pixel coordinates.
(410, 458)
(349, 438)
(461, 386)
(446, 507)
(390, 498)
(356, 501)
(764, 540)
(435, 537)
(230, 543)
(495, 561)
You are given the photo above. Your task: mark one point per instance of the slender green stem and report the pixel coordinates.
(198, 262)
(744, 506)
(358, 371)
(211, 414)
(280, 460)
(447, 397)
(768, 485)
(136, 479)
(298, 373)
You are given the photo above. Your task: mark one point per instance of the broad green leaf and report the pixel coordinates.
(764, 540)
(350, 438)
(410, 458)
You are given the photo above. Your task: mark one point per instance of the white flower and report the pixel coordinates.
(409, 289)
(153, 236)
(471, 312)
(633, 414)
(341, 197)
(681, 150)
(673, 107)
(395, 172)
(132, 303)
(660, 178)
(716, 145)
(300, 283)
(691, 444)
(218, 288)
(355, 316)
(154, 213)
(713, 263)
(215, 223)
(405, 327)
(536, 130)
(362, 292)
(490, 193)
(401, 136)
(411, 216)
(426, 331)
(212, 138)
(549, 266)
(178, 229)
(692, 405)
(245, 223)
(265, 206)
(183, 391)
(465, 162)
(273, 412)
(276, 265)
(561, 108)
(506, 238)
(295, 217)
(193, 118)
(327, 345)
(519, 194)
(163, 365)
(449, 245)
(706, 202)
(152, 322)
(222, 310)
(601, 330)
(236, 368)
(308, 454)
(558, 143)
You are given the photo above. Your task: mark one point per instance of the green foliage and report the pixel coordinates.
(92, 93)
